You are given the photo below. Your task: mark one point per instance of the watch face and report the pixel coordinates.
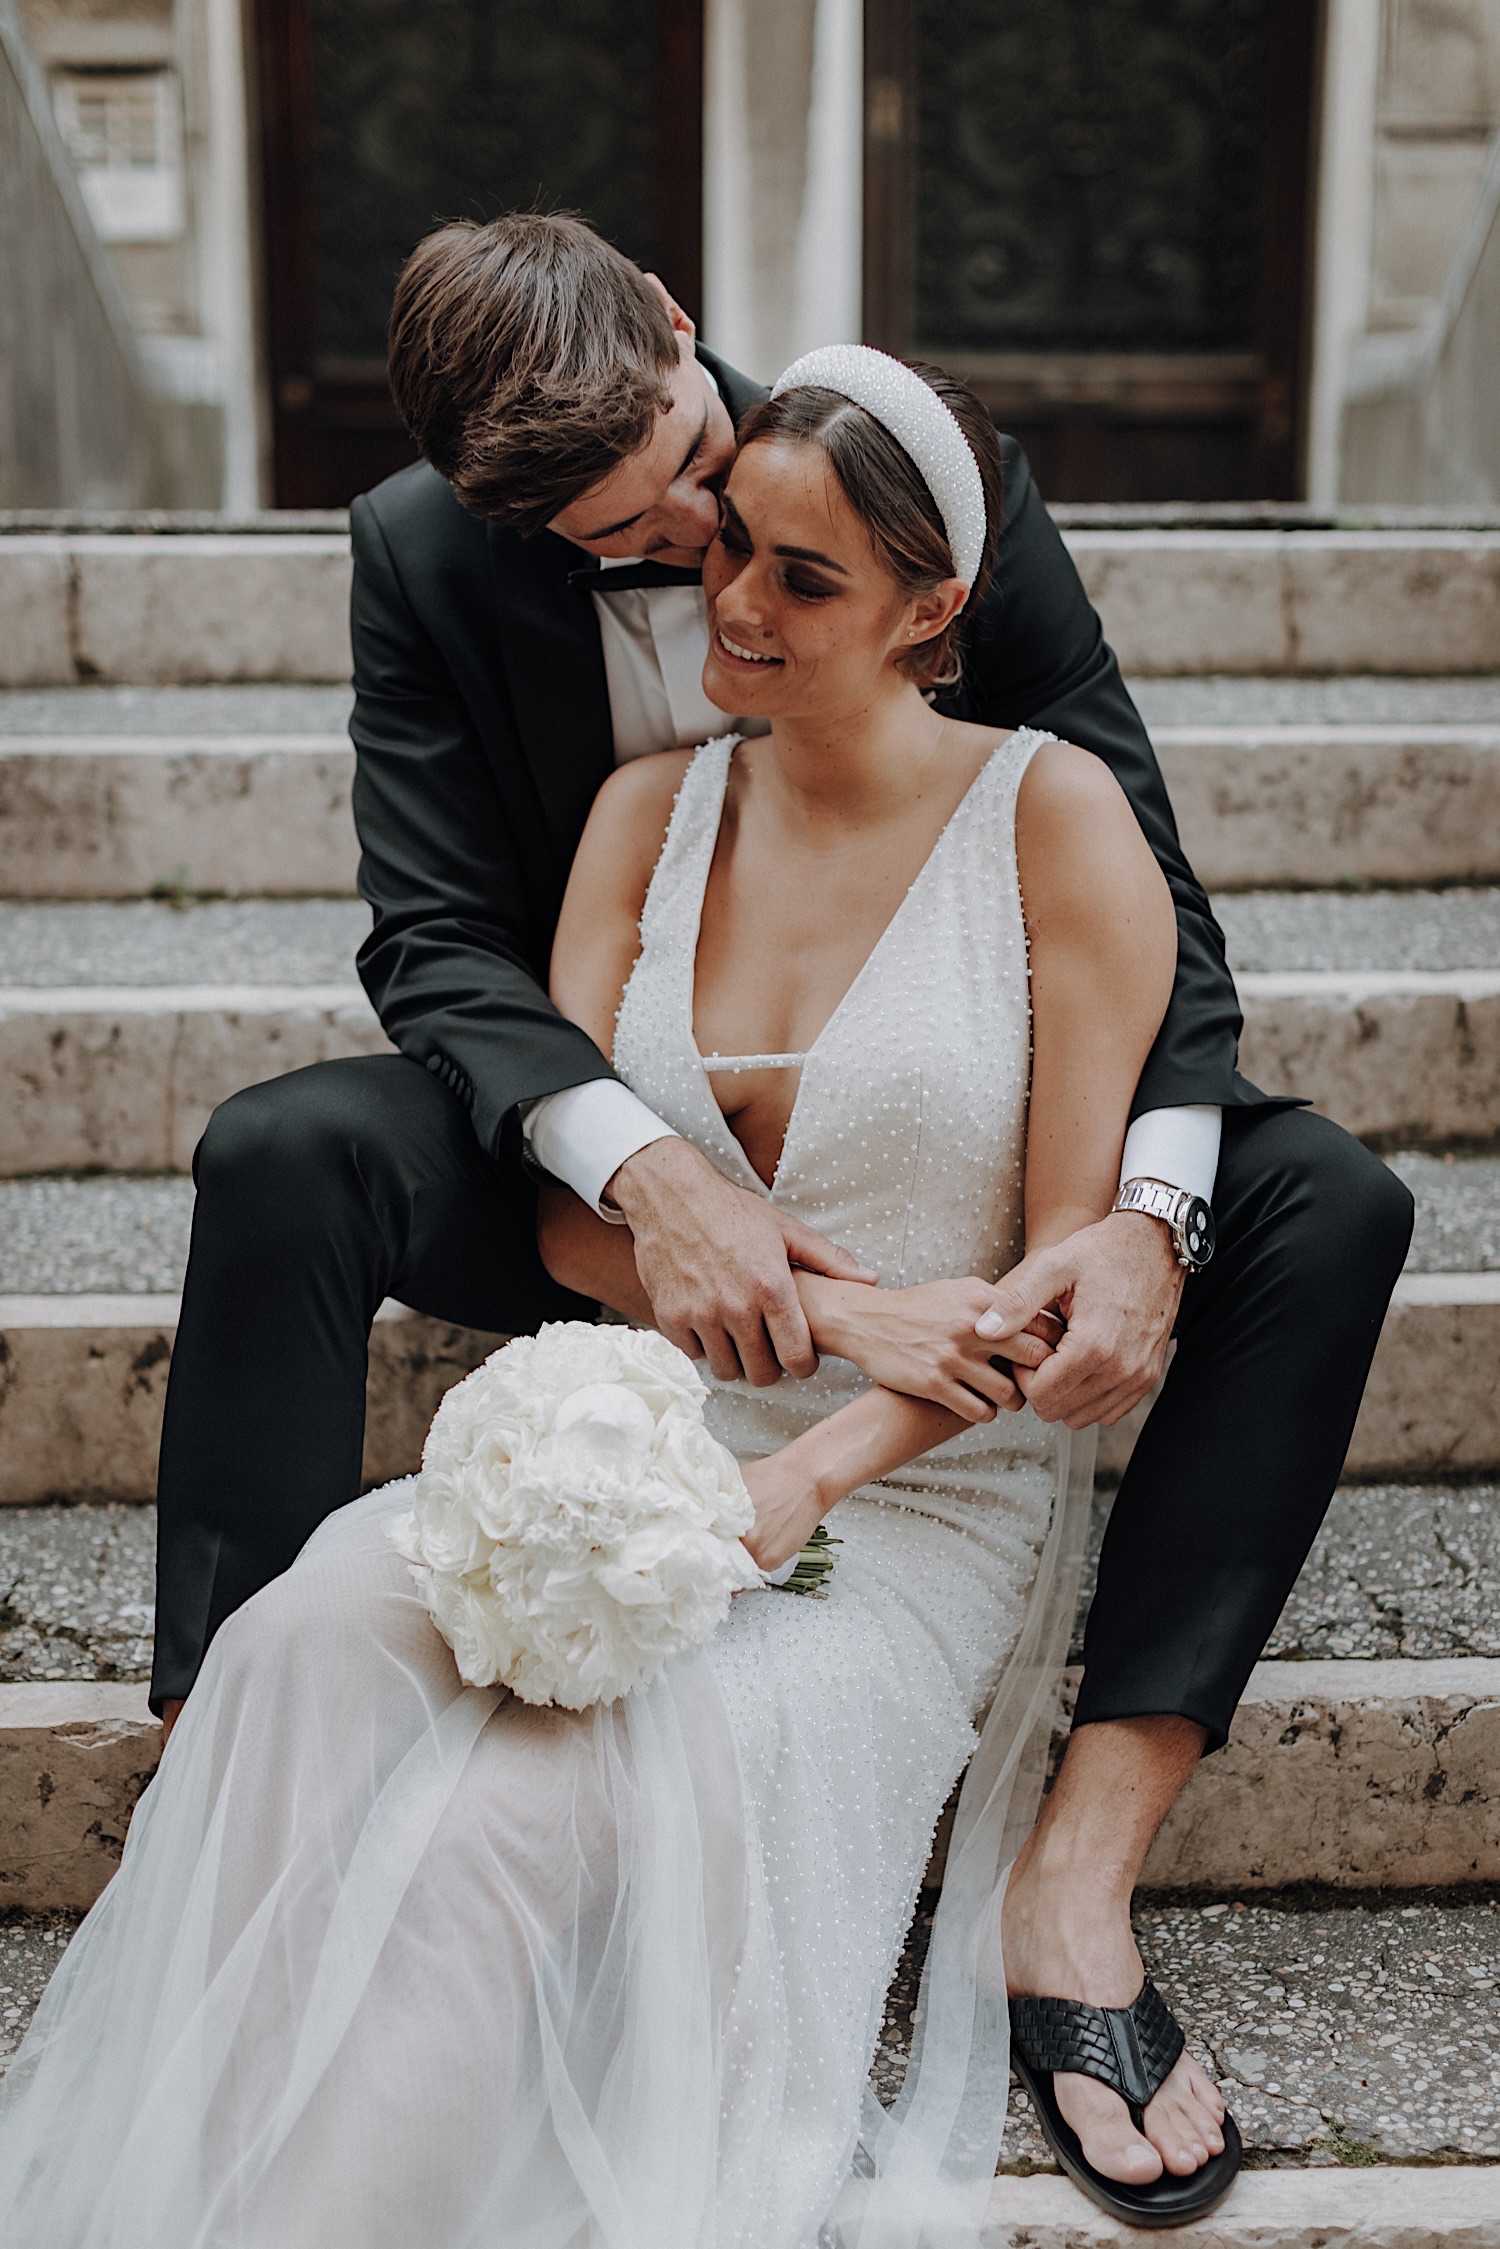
(1198, 1231)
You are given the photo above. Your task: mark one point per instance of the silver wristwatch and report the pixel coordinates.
(1186, 1216)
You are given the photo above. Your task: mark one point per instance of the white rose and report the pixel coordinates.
(575, 1523)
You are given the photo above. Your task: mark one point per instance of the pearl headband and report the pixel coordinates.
(925, 429)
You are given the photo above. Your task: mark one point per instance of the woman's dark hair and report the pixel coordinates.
(887, 492)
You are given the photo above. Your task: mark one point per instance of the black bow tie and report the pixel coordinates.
(631, 575)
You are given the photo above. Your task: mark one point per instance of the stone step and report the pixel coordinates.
(236, 605)
(244, 791)
(121, 792)
(89, 1273)
(1399, 1573)
(70, 1237)
(123, 1024)
(1345, 2153)
(86, 1378)
(1352, 1775)
(1317, 2208)
(1377, 1769)
(1346, 2031)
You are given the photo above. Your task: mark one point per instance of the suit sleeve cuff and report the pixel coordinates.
(1180, 1146)
(583, 1135)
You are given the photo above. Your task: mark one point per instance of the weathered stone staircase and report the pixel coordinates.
(178, 920)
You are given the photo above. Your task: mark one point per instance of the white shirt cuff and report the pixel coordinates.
(1180, 1146)
(583, 1135)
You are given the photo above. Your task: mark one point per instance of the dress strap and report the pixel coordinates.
(753, 1061)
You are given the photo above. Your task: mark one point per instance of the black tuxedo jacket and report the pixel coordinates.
(482, 730)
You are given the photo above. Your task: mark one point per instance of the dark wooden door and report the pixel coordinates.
(1097, 211)
(380, 118)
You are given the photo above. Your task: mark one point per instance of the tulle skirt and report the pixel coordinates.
(391, 1963)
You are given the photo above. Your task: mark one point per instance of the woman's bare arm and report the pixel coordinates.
(1103, 957)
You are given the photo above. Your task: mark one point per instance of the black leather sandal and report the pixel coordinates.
(1132, 2050)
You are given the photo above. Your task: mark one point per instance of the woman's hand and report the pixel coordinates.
(788, 1508)
(921, 1340)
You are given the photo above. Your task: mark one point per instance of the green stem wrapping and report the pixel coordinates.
(814, 1566)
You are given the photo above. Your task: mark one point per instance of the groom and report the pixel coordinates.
(526, 613)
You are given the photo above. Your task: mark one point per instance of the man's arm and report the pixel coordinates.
(462, 910)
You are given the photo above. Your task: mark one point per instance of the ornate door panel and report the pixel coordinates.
(381, 117)
(1096, 211)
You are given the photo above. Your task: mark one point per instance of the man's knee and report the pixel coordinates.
(1340, 1215)
(308, 1128)
(289, 1158)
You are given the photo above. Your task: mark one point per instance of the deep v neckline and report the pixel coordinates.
(867, 965)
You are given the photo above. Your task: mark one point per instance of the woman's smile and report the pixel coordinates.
(732, 653)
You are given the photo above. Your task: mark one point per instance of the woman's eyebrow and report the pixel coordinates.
(792, 554)
(811, 554)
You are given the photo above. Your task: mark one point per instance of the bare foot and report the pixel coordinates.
(170, 1713)
(1062, 1943)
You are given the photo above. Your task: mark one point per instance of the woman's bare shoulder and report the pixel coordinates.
(1080, 851)
(628, 822)
(641, 792)
(1062, 781)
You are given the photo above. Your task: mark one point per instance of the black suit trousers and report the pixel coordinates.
(321, 1193)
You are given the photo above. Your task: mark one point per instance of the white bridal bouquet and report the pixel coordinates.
(575, 1522)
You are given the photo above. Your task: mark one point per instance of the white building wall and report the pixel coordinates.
(1411, 108)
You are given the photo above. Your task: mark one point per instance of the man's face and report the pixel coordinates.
(664, 500)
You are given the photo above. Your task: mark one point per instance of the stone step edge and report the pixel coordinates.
(84, 1410)
(1353, 984)
(1267, 734)
(1354, 1775)
(142, 1309)
(228, 745)
(232, 607)
(1386, 2206)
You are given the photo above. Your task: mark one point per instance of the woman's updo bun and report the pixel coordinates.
(887, 492)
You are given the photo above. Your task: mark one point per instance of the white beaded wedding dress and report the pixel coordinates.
(392, 1963)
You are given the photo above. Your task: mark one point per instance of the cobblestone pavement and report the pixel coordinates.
(1330, 929)
(1397, 1570)
(76, 1592)
(1227, 700)
(1342, 2029)
(175, 710)
(1458, 1212)
(74, 1237)
(145, 941)
(31, 1944)
(67, 1237)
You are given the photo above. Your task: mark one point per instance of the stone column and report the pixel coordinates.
(782, 178)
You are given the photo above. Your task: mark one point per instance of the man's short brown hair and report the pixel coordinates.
(528, 358)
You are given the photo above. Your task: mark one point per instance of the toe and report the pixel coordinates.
(1109, 2140)
(1184, 2121)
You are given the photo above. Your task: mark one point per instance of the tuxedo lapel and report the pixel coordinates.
(738, 392)
(553, 663)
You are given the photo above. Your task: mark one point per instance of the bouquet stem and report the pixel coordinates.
(814, 1567)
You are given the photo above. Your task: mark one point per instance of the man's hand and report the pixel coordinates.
(716, 1263)
(1118, 1285)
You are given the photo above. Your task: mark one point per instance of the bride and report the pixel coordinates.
(391, 1961)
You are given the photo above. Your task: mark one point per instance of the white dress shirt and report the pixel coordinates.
(655, 644)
